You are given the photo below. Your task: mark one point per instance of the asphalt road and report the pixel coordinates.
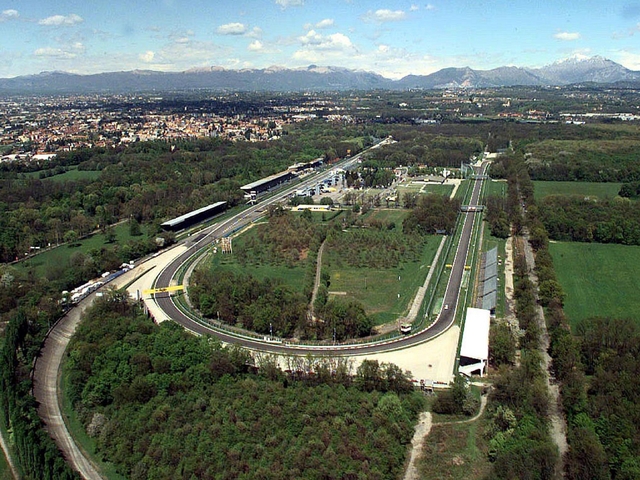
(441, 324)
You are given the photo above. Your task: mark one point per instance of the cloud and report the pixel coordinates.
(320, 48)
(9, 15)
(256, 32)
(147, 57)
(71, 51)
(232, 29)
(629, 60)
(326, 23)
(289, 3)
(430, 6)
(256, 46)
(61, 20)
(385, 15)
(414, 8)
(567, 36)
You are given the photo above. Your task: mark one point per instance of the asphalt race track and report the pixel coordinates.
(441, 324)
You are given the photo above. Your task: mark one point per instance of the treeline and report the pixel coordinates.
(36, 454)
(161, 403)
(597, 372)
(520, 445)
(432, 214)
(574, 218)
(446, 147)
(496, 216)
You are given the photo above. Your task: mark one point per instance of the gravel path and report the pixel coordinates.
(7, 455)
(422, 430)
(558, 423)
(316, 284)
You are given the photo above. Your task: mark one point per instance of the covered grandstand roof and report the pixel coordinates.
(267, 180)
(491, 271)
(490, 285)
(489, 301)
(201, 211)
(492, 256)
(475, 338)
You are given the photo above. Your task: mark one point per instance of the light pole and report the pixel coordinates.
(270, 330)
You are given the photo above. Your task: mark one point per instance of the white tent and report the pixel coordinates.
(474, 351)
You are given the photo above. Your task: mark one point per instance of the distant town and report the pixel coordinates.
(38, 128)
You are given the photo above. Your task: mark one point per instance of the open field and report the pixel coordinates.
(388, 215)
(59, 257)
(496, 187)
(385, 293)
(598, 279)
(456, 452)
(587, 189)
(425, 188)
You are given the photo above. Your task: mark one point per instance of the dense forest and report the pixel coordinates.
(161, 403)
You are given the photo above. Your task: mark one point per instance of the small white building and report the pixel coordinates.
(474, 350)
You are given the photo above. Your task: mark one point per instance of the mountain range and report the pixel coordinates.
(571, 71)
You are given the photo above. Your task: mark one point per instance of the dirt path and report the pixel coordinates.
(558, 424)
(425, 422)
(422, 430)
(316, 284)
(7, 455)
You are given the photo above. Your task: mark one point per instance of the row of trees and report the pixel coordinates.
(164, 404)
(433, 214)
(36, 455)
(520, 445)
(597, 372)
(574, 218)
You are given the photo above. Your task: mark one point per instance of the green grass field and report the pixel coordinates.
(388, 215)
(496, 187)
(455, 451)
(424, 188)
(598, 279)
(587, 189)
(59, 257)
(378, 289)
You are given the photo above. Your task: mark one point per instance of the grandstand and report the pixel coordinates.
(267, 183)
(490, 281)
(196, 216)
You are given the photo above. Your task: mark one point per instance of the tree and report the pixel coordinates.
(70, 237)
(134, 228)
(502, 346)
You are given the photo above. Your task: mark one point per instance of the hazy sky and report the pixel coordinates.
(391, 37)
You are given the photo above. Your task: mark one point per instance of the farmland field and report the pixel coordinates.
(587, 189)
(598, 279)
